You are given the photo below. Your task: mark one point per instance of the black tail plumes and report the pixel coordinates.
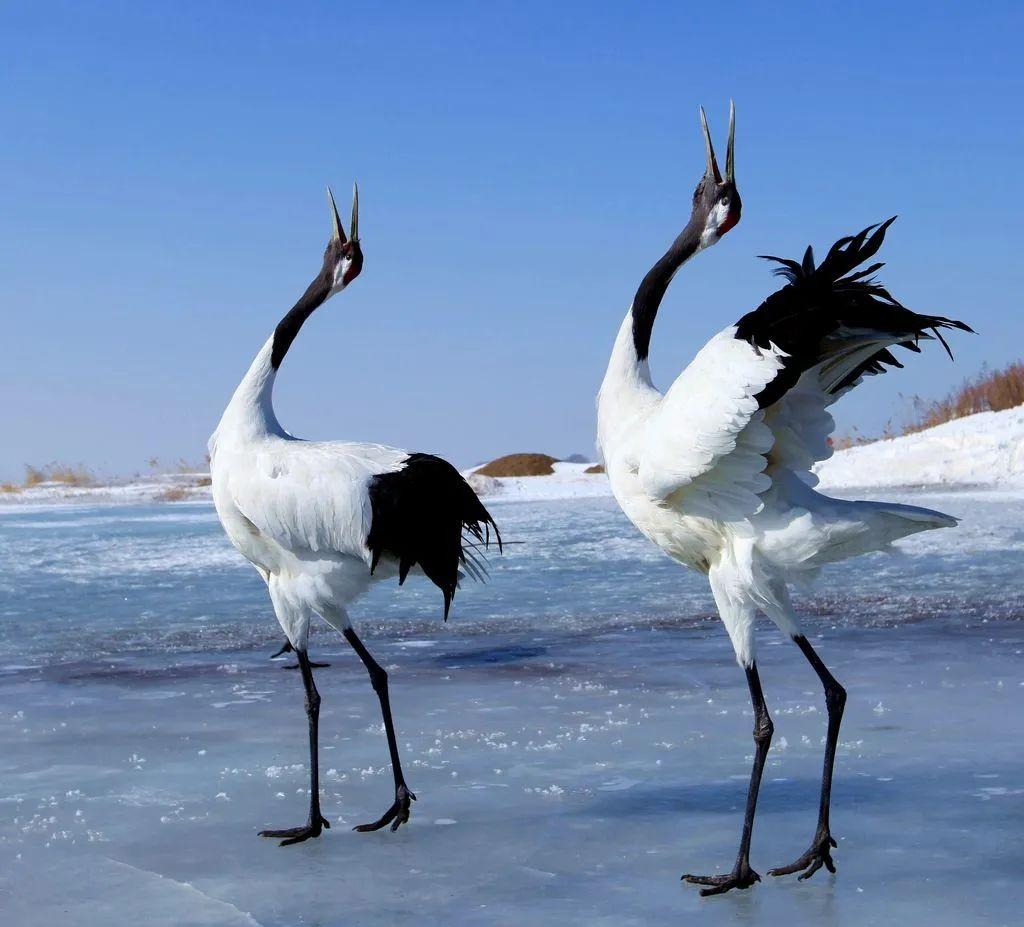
(419, 515)
(827, 310)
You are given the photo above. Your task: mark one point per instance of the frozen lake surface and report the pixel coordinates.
(578, 734)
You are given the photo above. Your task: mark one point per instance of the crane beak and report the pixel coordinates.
(730, 160)
(712, 168)
(339, 231)
(354, 226)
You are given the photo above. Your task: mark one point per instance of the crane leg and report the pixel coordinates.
(313, 826)
(819, 853)
(287, 647)
(398, 813)
(742, 876)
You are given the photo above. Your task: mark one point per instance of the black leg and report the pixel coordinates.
(287, 647)
(398, 813)
(819, 854)
(312, 827)
(742, 876)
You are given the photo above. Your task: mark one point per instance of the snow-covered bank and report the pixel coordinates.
(980, 451)
(168, 487)
(985, 450)
(569, 481)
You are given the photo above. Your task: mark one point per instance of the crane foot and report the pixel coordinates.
(741, 877)
(297, 834)
(817, 856)
(396, 815)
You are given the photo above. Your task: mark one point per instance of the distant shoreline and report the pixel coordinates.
(984, 451)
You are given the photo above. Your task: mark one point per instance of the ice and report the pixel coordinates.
(578, 734)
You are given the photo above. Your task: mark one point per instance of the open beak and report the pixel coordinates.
(339, 231)
(712, 167)
(354, 226)
(730, 160)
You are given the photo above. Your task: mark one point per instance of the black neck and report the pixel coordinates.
(289, 326)
(653, 286)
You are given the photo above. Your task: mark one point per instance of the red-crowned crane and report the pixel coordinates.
(321, 520)
(717, 471)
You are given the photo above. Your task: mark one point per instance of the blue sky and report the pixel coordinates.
(521, 166)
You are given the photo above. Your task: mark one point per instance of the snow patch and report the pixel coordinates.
(984, 450)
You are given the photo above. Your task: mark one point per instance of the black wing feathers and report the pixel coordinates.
(419, 514)
(827, 310)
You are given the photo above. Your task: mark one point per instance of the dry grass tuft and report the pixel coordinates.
(9, 488)
(70, 475)
(57, 473)
(855, 439)
(989, 391)
(181, 465)
(520, 465)
(172, 494)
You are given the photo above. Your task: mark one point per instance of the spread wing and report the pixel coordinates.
(756, 396)
(704, 447)
(836, 325)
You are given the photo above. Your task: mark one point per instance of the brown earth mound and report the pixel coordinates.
(597, 468)
(519, 465)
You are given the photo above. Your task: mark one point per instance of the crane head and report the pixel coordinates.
(343, 258)
(716, 201)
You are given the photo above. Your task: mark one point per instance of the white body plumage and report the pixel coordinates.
(299, 511)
